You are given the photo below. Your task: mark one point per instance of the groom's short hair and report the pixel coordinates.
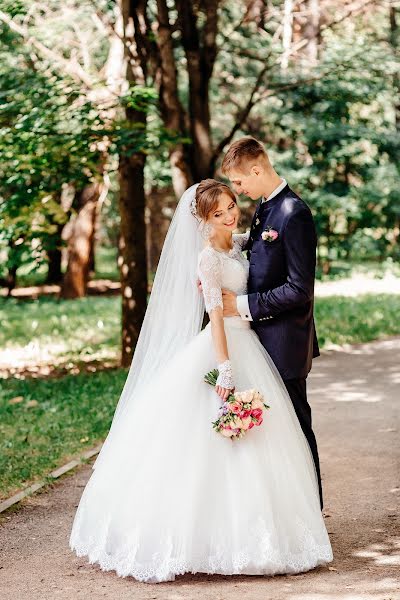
(241, 153)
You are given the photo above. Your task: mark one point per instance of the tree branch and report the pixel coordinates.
(209, 39)
(73, 68)
(352, 9)
(252, 101)
(241, 116)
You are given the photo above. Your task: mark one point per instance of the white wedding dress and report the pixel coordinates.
(170, 495)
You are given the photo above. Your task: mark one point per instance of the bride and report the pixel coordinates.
(168, 494)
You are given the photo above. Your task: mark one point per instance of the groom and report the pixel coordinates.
(281, 250)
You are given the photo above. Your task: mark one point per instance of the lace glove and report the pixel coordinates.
(225, 377)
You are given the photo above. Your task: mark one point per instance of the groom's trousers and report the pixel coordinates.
(297, 390)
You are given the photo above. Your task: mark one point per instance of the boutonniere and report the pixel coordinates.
(269, 234)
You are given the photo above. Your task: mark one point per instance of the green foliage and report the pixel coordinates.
(334, 136)
(46, 141)
(342, 156)
(330, 128)
(341, 320)
(69, 417)
(54, 132)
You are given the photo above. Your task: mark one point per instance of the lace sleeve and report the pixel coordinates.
(241, 239)
(210, 276)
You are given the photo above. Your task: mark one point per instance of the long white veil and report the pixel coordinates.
(175, 310)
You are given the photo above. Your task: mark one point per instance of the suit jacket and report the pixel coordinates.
(281, 282)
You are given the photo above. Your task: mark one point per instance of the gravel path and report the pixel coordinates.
(355, 397)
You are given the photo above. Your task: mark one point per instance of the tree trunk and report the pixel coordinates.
(81, 241)
(161, 203)
(312, 31)
(171, 108)
(132, 252)
(200, 56)
(307, 33)
(394, 41)
(13, 262)
(326, 262)
(287, 33)
(54, 273)
(132, 257)
(54, 255)
(92, 256)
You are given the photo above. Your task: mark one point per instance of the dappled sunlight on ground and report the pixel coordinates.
(371, 364)
(386, 553)
(379, 591)
(52, 359)
(97, 286)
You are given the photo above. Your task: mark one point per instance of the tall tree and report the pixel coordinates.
(132, 243)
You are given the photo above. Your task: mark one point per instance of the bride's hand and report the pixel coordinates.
(199, 286)
(223, 393)
(225, 383)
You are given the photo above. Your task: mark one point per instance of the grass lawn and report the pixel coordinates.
(45, 422)
(346, 320)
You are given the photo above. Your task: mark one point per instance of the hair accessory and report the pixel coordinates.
(193, 207)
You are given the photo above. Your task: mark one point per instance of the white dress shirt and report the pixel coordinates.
(242, 302)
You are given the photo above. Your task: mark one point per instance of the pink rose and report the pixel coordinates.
(245, 413)
(269, 235)
(246, 422)
(257, 412)
(227, 432)
(257, 404)
(235, 407)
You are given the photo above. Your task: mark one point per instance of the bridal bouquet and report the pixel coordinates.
(239, 413)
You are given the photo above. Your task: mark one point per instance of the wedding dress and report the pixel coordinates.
(170, 495)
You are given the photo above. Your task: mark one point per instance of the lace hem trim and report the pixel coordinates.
(262, 559)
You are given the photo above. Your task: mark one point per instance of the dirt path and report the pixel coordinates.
(355, 398)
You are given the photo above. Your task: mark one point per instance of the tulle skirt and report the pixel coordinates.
(169, 495)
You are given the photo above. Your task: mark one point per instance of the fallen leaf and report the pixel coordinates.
(16, 400)
(31, 403)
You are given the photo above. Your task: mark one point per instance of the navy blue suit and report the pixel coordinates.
(281, 296)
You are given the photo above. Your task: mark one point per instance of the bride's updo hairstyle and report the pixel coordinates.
(207, 195)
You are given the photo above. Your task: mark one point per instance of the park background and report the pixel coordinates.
(109, 110)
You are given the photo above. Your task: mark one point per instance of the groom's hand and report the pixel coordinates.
(229, 300)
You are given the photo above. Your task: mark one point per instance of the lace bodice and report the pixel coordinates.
(219, 270)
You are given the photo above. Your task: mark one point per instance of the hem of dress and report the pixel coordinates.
(167, 573)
